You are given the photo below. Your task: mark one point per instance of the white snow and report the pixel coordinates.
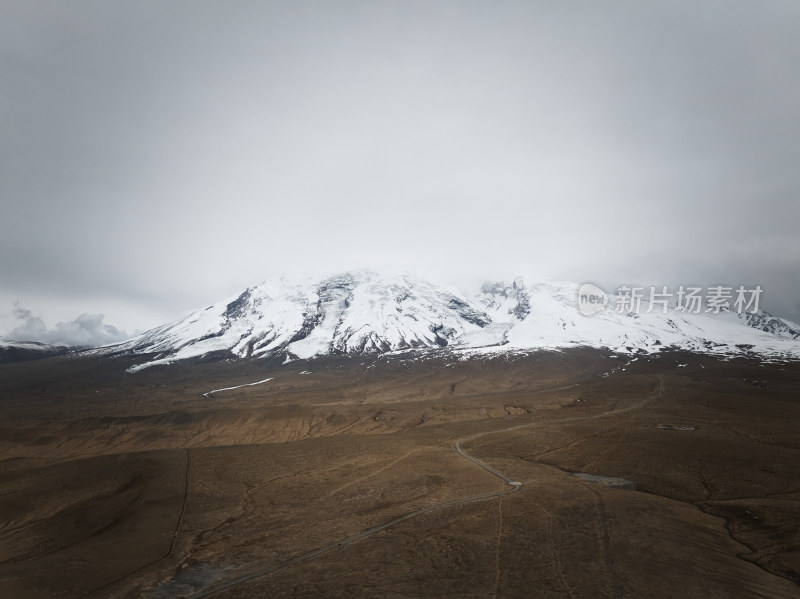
(236, 387)
(363, 312)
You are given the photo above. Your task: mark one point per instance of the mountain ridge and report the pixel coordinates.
(364, 312)
(20, 351)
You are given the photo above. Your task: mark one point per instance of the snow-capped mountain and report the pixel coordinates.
(363, 312)
(350, 313)
(553, 320)
(764, 321)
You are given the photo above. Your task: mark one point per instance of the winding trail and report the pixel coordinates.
(497, 546)
(610, 563)
(171, 550)
(374, 473)
(515, 487)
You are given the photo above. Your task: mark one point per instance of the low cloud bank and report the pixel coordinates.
(85, 330)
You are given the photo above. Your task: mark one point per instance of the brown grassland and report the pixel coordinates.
(137, 485)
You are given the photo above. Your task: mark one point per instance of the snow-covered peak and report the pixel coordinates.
(553, 320)
(363, 311)
(504, 301)
(349, 313)
(764, 321)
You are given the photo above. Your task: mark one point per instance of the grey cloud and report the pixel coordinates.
(85, 330)
(32, 329)
(173, 153)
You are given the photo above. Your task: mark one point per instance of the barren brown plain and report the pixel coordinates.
(341, 478)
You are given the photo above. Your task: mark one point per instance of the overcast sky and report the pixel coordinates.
(156, 157)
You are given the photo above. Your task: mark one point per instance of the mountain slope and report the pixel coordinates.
(363, 312)
(553, 320)
(18, 351)
(350, 313)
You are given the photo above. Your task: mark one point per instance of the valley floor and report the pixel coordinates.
(393, 477)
